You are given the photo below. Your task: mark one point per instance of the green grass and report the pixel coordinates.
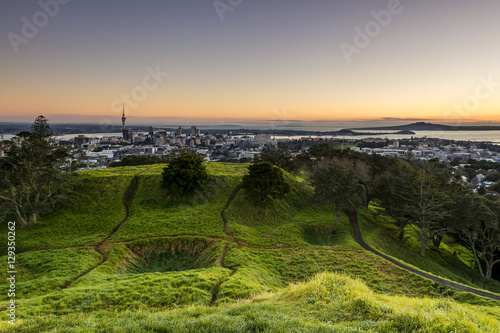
(327, 303)
(292, 270)
(98, 210)
(42, 272)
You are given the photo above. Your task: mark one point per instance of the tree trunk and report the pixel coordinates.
(336, 215)
(401, 237)
(489, 270)
(478, 263)
(33, 218)
(489, 261)
(20, 218)
(423, 240)
(436, 241)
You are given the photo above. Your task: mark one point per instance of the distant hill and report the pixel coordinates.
(423, 126)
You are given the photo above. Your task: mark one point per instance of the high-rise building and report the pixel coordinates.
(151, 131)
(178, 132)
(80, 141)
(125, 134)
(193, 131)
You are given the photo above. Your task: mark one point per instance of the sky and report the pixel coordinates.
(275, 62)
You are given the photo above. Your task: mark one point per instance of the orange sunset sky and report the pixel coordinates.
(423, 60)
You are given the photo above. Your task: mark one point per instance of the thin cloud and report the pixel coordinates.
(404, 119)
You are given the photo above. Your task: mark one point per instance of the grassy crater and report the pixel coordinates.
(170, 255)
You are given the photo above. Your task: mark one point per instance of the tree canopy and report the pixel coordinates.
(35, 174)
(184, 175)
(277, 156)
(338, 187)
(479, 231)
(416, 196)
(264, 180)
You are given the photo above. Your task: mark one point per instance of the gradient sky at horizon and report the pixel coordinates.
(267, 60)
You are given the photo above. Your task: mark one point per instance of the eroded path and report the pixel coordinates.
(225, 228)
(99, 247)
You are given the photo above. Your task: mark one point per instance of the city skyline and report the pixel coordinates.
(270, 62)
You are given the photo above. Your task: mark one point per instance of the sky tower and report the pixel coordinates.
(123, 118)
(124, 130)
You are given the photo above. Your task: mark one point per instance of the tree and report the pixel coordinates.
(277, 156)
(391, 190)
(443, 181)
(428, 204)
(338, 187)
(480, 231)
(35, 174)
(321, 151)
(316, 154)
(416, 196)
(492, 176)
(495, 187)
(265, 180)
(184, 175)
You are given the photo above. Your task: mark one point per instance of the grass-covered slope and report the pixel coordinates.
(451, 261)
(173, 266)
(328, 302)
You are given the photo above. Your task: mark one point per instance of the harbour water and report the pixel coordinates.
(480, 136)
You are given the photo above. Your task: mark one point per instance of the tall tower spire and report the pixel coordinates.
(123, 118)
(124, 130)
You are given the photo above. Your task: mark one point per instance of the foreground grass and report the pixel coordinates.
(326, 303)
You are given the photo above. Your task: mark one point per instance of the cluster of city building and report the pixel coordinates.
(427, 149)
(224, 146)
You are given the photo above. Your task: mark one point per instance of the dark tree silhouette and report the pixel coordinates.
(35, 174)
(184, 175)
(265, 180)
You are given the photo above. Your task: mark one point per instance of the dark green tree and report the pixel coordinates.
(449, 190)
(35, 174)
(480, 231)
(428, 204)
(265, 180)
(277, 156)
(495, 187)
(391, 191)
(315, 155)
(338, 187)
(184, 175)
(492, 176)
(321, 151)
